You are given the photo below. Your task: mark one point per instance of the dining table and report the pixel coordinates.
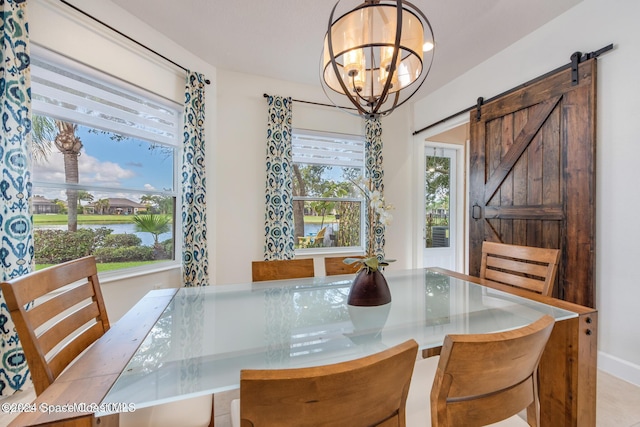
(186, 342)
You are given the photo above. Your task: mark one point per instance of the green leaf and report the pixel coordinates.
(372, 263)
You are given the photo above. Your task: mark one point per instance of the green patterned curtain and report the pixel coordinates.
(194, 209)
(375, 173)
(278, 218)
(16, 249)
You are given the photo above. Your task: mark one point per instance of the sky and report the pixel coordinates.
(108, 163)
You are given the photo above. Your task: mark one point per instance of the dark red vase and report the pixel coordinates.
(369, 289)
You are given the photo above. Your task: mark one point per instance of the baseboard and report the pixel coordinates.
(620, 368)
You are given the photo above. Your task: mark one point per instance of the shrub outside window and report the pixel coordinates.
(105, 156)
(327, 205)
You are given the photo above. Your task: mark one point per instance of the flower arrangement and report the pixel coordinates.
(371, 263)
(378, 212)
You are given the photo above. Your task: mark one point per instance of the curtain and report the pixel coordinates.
(278, 218)
(194, 213)
(375, 173)
(16, 250)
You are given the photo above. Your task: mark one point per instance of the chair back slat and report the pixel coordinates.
(282, 269)
(525, 267)
(371, 391)
(529, 283)
(485, 378)
(335, 265)
(63, 330)
(68, 353)
(63, 322)
(44, 311)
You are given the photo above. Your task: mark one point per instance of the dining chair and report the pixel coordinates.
(313, 241)
(58, 313)
(335, 265)
(525, 267)
(480, 379)
(282, 269)
(370, 391)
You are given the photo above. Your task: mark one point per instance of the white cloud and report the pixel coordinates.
(91, 170)
(149, 187)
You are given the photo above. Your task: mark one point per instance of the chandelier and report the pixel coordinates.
(377, 55)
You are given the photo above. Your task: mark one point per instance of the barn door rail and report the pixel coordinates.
(579, 58)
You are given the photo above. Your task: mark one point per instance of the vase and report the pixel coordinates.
(369, 289)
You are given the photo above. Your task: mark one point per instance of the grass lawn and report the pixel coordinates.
(112, 265)
(313, 219)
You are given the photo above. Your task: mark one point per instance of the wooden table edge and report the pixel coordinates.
(566, 305)
(140, 318)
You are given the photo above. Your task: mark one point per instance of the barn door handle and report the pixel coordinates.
(476, 211)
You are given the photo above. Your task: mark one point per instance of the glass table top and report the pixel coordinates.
(207, 335)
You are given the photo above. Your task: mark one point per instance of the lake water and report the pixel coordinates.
(147, 238)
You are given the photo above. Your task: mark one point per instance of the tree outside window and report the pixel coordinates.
(327, 205)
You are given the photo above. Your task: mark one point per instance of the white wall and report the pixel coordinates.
(587, 27)
(240, 169)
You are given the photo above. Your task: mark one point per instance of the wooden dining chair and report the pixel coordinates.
(520, 266)
(370, 391)
(68, 316)
(72, 334)
(480, 379)
(335, 265)
(282, 269)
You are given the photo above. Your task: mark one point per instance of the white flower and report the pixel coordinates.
(385, 217)
(377, 209)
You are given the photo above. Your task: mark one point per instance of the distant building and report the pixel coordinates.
(40, 205)
(118, 206)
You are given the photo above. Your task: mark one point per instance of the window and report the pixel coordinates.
(438, 186)
(327, 205)
(105, 156)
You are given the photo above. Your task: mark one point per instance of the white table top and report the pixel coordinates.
(208, 334)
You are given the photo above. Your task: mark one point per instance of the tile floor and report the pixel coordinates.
(618, 404)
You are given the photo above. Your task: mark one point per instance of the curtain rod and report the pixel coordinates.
(584, 57)
(207, 81)
(314, 103)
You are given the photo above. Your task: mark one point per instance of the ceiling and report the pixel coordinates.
(282, 39)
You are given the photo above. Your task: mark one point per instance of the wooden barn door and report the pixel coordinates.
(532, 176)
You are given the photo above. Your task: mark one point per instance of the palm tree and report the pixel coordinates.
(102, 205)
(154, 224)
(66, 141)
(84, 196)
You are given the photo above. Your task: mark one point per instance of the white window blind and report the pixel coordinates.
(318, 148)
(70, 94)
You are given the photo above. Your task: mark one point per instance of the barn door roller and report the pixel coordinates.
(578, 57)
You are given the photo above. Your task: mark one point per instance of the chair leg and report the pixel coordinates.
(533, 410)
(213, 411)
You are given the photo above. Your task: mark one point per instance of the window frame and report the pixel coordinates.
(345, 137)
(66, 63)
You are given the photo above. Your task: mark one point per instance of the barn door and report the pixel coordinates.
(532, 176)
